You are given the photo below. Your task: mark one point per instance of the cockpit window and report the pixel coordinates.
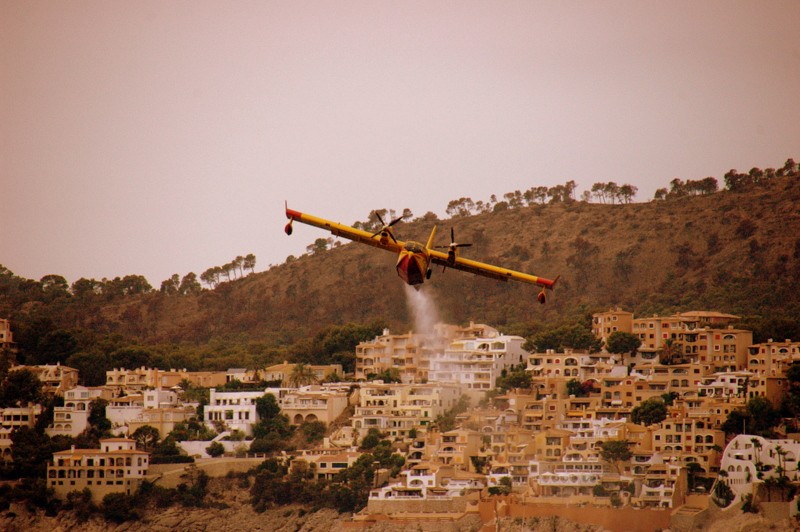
(413, 247)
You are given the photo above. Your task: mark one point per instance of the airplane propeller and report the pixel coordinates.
(453, 244)
(385, 227)
(452, 247)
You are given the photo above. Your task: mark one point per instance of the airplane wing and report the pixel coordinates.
(351, 233)
(488, 270)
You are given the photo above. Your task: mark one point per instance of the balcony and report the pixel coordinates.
(549, 479)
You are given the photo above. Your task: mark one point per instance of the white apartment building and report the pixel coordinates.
(160, 398)
(121, 410)
(73, 418)
(748, 460)
(568, 477)
(587, 433)
(429, 482)
(476, 363)
(236, 410)
(724, 384)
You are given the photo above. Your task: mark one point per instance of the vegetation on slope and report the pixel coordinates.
(734, 251)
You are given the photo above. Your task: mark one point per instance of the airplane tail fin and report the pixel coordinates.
(288, 228)
(541, 297)
(429, 245)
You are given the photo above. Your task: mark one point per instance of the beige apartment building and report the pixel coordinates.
(162, 419)
(771, 387)
(398, 408)
(313, 403)
(6, 336)
(689, 439)
(327, 464)
(681, 379)
(713, 411)
(55, 378)
(551, 444)
(454, 447)
(772, 358)
(604, 324)
(117, 467)
(476, 363)
(722, 349)
(539, 411)
(693, 331)
(552, 364)
(408, 353)
(136, 380)
(12, 418)
(661, 485)
(283, 372)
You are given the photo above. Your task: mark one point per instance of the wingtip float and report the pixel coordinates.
(415, 260)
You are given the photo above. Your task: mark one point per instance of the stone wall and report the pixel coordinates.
(198, 448)
(613, 519)
(456, 505)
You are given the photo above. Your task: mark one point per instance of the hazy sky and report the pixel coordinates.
(154, 137)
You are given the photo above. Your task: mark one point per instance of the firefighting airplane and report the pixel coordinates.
(414, 259)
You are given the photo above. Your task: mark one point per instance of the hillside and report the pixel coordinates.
(736, 252)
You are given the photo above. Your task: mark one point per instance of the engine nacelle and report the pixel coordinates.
(542, 297)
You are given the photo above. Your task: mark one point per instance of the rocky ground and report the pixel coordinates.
(230, 510)
(545, 524)
(289, 519)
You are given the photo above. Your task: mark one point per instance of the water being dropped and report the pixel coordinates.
(423, 310)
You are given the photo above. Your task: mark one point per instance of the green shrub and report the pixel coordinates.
(80, 502)
(118, 508)
(215, 449)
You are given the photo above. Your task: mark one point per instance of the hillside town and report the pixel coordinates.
(483, 426)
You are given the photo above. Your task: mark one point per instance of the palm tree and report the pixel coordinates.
(757, 446)
(781, 452)
(669, 351)
(302, 374)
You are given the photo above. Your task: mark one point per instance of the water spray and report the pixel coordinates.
(423, 310)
